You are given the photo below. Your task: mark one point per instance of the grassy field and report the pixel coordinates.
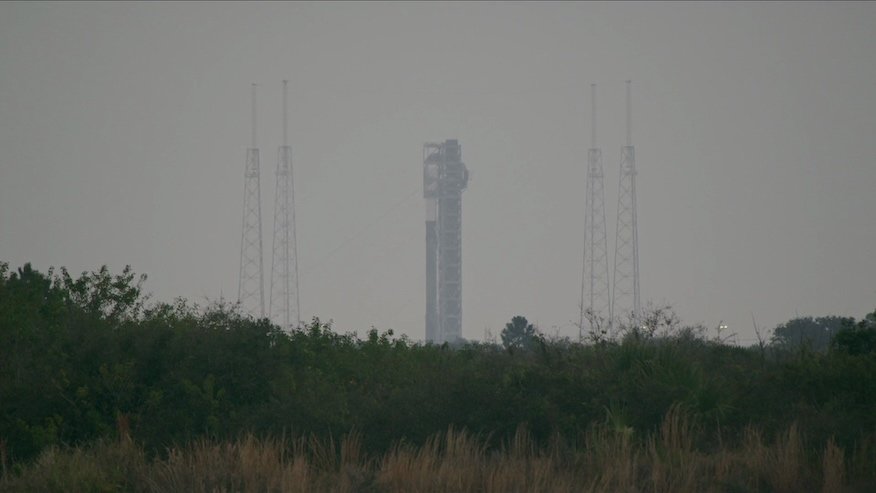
(603, 459)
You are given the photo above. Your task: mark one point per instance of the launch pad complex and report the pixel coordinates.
(445, 177)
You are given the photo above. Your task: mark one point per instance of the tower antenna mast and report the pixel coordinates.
(284, 306)
(625, 294)
(253, 144)
(251, 286)
(595, 301)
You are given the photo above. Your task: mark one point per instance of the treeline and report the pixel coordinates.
(87, 358)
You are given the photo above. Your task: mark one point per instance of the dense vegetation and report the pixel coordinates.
(85, 360)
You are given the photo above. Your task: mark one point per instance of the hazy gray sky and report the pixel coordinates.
(123, 129)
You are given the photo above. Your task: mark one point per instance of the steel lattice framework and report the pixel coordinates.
(625, 294)
(595, 296)
(284, 301)
(251, 288)
(444, 178)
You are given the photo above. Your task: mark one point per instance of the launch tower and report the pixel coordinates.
(444, 178)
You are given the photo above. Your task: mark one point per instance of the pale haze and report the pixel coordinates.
(124, 127)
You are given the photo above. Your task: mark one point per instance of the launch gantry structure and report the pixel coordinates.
(444, 178)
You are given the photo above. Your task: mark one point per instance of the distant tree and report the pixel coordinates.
(857, 339)
(100, 293)
(519, 334)
(869, 320)
(813, 333)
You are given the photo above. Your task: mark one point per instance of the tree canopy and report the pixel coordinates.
(813, 333)
(88, 357)
(519, 334)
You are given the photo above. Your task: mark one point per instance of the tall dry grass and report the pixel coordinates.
(603, 459)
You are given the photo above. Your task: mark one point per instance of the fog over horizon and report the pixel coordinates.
(124, 126)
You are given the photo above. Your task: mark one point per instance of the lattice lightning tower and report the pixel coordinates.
(284, 303)
(595, 300)
(251, 287)
(625, 294)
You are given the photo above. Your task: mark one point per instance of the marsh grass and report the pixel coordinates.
(603, 459)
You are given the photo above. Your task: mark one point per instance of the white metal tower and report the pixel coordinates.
(444, 178)
(251, 287)
(595, 296)
(284, 303)
(625, 294)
